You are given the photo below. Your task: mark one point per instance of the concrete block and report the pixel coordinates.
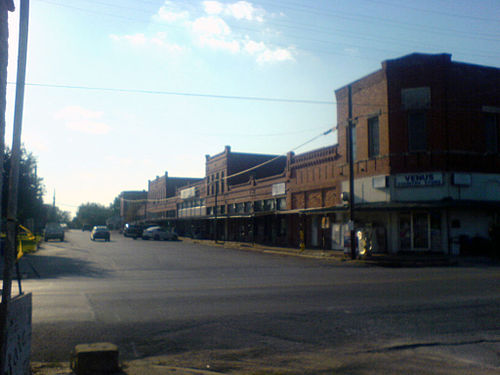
(95, 358)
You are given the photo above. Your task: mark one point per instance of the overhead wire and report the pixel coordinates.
(244, 171)
(351, 34)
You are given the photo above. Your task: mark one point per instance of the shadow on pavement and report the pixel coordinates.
(37, 266)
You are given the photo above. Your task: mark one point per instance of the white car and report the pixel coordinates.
(158, 234)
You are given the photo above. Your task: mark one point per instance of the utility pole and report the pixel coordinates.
(350, 131)
(215, 210)
(10, 248)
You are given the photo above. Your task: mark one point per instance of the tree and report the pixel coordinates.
(30, 194)
(115, 206)
(92, 214)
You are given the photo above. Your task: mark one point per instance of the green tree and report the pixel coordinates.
(30, 207)
(92, 214)
(115, 207)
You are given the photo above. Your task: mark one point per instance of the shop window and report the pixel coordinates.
(421, 231)
(258, 205)
(373, 137)
(405, 231)
(281, 204)
(418, 229)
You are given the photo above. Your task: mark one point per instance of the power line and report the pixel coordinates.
(179, 93)
(241, 172)
(336, 14)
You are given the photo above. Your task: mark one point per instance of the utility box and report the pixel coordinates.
(96, 358)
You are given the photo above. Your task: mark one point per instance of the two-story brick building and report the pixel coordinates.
(426, 151)
(425, 159)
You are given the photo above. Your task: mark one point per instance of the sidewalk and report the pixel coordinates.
(424, 259)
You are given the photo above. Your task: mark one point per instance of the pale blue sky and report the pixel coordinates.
(92, 144)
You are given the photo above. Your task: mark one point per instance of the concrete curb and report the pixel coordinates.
(382, 260)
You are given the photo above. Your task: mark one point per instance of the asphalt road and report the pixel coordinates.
(156, 298)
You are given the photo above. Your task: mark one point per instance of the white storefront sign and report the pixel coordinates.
(419, 179)
(188, 193)
(279, 189)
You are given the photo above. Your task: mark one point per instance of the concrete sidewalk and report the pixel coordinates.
(424, 259)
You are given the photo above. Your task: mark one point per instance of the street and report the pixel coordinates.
(199, 302)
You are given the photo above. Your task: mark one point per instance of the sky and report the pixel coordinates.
(121, 91)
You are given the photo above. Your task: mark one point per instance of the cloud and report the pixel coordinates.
(170, 14)
(241, 10)
(220, 44)
(277, 55)
(211, 30)
(83, 120)
(213, 7)
(265, 54)
(211, 25)
(245, 10)
(158, 40)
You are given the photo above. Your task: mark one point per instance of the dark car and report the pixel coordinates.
(132, 230)
(159, 234)
(53, 231)
(100, 232)
(86, 227)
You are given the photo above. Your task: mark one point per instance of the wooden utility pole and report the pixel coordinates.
(10, 245)
(350, 131)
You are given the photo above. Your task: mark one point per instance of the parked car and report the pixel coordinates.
(86, 227)
(53, 231)
(158, 234)
(101, 232)
(132, 230)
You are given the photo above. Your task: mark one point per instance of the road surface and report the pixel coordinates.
(202, 303)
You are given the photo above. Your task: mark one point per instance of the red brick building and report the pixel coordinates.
(426, 151)
(426, 163)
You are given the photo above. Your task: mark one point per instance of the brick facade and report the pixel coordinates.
(418, 117)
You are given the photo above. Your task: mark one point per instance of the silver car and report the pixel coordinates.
(158, 234)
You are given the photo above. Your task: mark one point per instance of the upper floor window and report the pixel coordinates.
(416, 98)
(417, 132)
(373, 137)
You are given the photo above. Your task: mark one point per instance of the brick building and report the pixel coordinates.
(425, 158)
(162, 196)
(426, 151)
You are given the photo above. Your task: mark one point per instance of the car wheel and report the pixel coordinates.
(157, 238)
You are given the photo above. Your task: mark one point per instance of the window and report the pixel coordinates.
(416, 98)
(417, 132)
(491, 132)
(373, 137)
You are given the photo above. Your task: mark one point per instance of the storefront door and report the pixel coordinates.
(414, 232)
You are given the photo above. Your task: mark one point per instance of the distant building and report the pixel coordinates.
(132, 206)
(160, 189)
